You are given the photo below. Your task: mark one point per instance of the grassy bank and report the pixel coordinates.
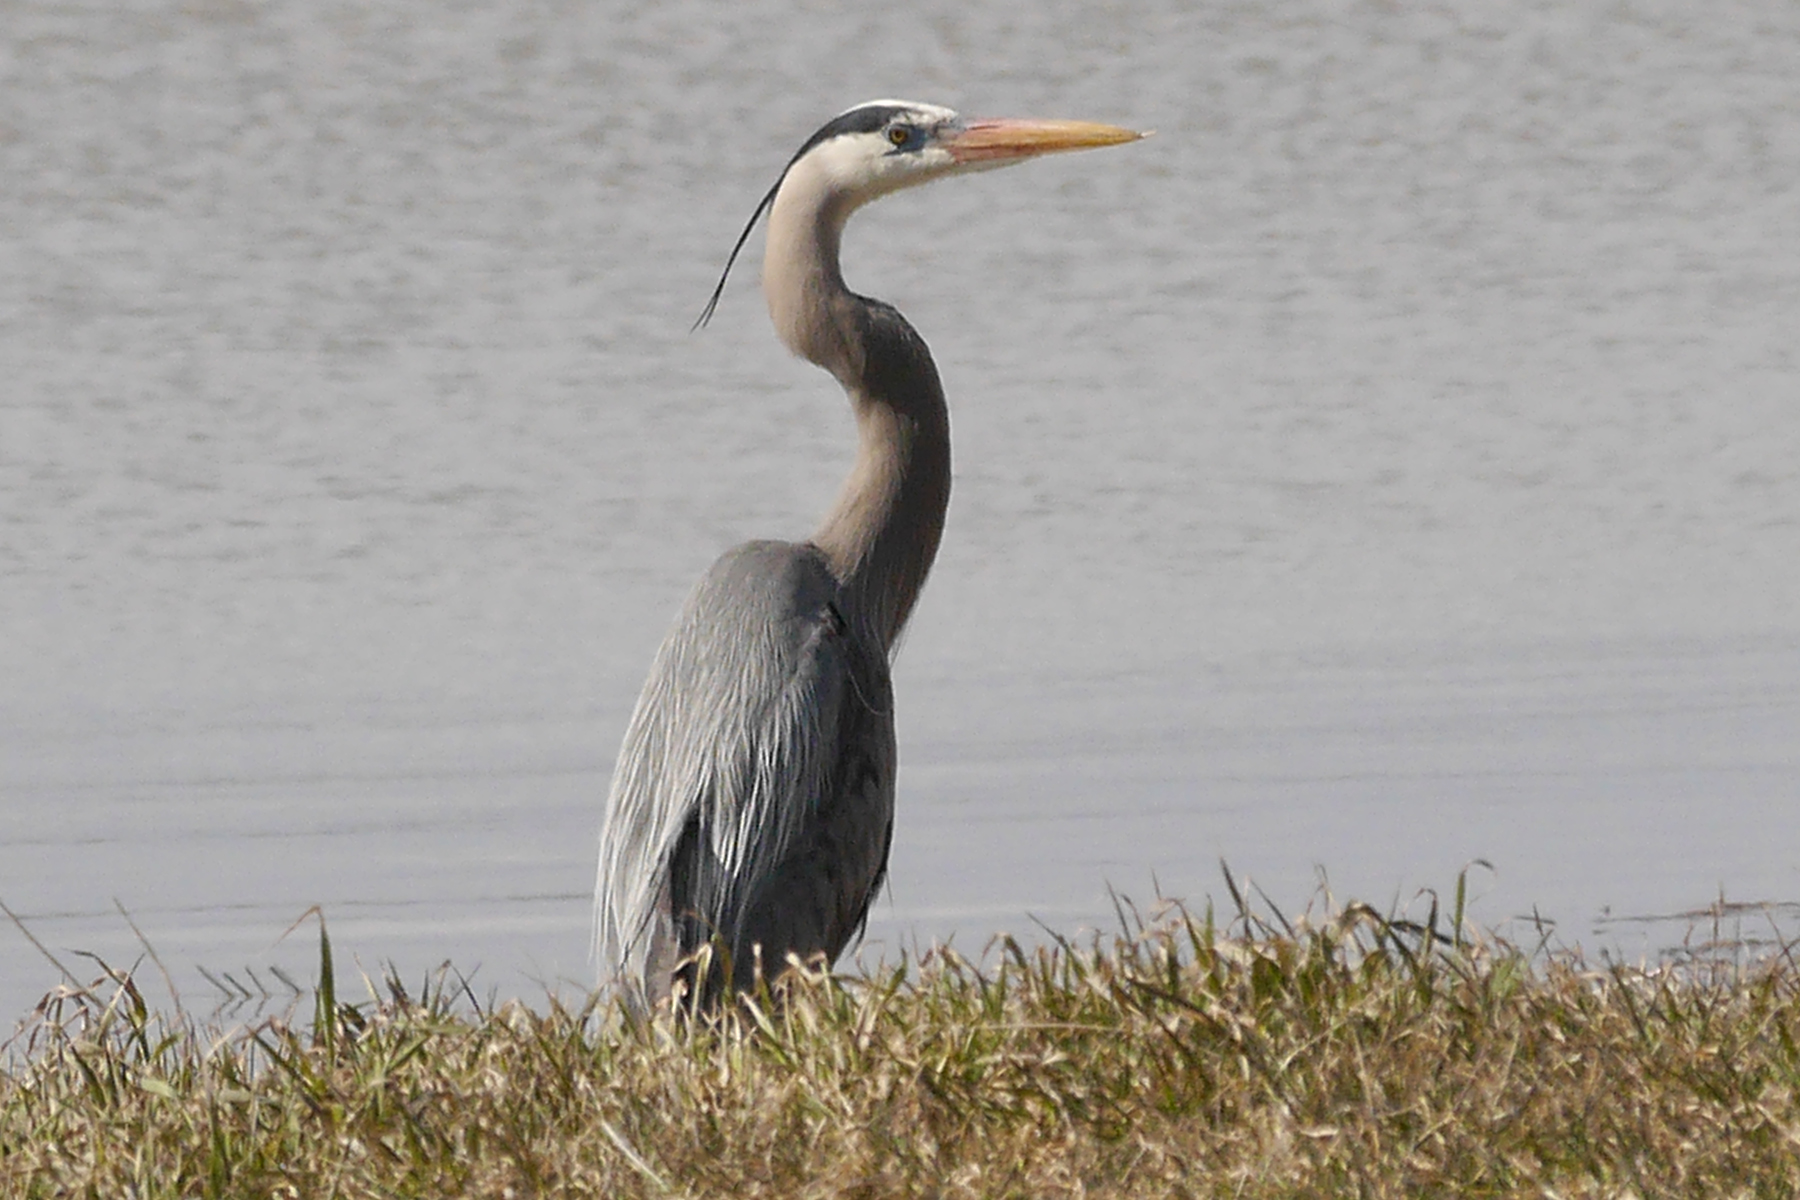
(1350, 1056)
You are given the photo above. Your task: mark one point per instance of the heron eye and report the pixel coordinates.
(899, 135)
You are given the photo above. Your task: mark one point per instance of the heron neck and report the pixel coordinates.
(882, 533)
(802, 282)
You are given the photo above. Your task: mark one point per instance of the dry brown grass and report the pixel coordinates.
(1352, 1056)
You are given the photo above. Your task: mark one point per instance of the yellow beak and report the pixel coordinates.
(1001, 139)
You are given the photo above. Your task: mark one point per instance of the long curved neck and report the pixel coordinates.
(882, 534)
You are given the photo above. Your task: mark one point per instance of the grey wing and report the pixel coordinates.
(753, 798)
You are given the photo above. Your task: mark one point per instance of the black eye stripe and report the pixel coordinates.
(870, 118)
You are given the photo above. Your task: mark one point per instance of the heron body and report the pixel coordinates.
(753, 801)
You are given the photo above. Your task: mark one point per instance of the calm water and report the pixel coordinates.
(1393, 463)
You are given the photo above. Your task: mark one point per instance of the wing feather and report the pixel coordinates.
(753, 798)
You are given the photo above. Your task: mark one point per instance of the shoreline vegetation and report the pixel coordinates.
(1342, 1054)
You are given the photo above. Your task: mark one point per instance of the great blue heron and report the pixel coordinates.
(752, 805)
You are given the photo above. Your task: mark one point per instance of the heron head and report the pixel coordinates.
(882, 146)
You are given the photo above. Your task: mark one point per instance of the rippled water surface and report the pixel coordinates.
(1392, 463)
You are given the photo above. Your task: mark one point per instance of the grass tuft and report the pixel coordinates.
(1351, 1054)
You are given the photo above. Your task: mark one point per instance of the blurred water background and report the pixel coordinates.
(1395, 462)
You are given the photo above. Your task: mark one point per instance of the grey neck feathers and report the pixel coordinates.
(882, 533)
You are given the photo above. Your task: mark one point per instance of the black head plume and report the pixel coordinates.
(713, 302)
(864, 118)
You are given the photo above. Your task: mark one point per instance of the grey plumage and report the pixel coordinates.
(752, 805)
(759, 765)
